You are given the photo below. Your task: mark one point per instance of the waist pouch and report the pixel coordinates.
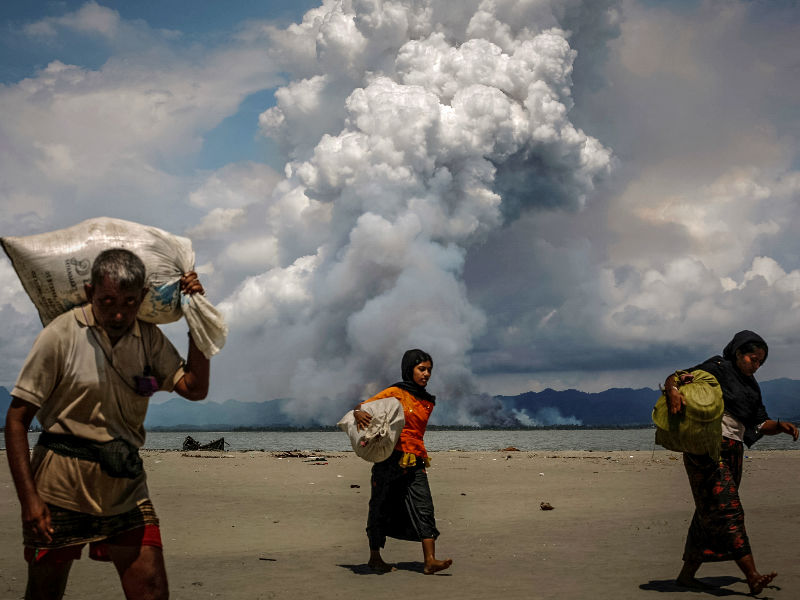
(117, 458)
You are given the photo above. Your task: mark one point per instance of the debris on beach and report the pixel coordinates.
(293, 454)
(545, 506)
(316, 460)
(354, 485)
(192, 444)
(510, 449)
(186, 455)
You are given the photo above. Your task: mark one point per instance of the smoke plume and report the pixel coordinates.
(411, 130)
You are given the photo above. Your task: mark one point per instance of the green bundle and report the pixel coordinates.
(697, 429)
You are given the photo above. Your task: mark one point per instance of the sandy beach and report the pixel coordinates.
(256, 525)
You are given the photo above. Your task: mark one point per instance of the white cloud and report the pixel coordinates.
(235, 186)
(89, 18)
(118, 137)
(253, 254)
(11, 291)
(217, 222)
(20, 322)
(271, 297)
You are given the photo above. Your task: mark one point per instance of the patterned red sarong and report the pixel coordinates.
(717, 531)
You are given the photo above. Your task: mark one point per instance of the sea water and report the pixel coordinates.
(531, 440)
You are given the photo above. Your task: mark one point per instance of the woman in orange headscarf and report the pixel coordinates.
(401, 505)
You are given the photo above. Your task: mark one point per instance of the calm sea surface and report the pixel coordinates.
(475, 440)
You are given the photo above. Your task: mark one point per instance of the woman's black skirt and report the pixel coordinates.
(717, 531)
(401, 505)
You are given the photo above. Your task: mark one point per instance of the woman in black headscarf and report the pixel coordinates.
(401, 505)
(717, 531)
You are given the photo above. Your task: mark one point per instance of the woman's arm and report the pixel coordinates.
(675, 399)
(771, 427)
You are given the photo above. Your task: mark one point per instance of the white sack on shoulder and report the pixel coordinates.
(205, 322)
(377, 441)
(53, 268)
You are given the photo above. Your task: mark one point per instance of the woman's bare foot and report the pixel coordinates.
(379, 566)
(759, 582)
(687, 579)
(434, 566)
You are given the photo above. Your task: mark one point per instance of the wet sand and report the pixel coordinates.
(253, 525)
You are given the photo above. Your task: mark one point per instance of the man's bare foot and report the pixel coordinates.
(759, 582)
(692, 583)
(379, 566)
(434, 566)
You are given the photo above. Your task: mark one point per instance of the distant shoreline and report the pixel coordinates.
(325, 428)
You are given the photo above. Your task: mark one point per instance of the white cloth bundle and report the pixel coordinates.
(54, 266)
(377, 441)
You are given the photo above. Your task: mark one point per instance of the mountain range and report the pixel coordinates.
(614, 407)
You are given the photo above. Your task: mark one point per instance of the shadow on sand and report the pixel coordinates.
(717, 587)
(416, 567)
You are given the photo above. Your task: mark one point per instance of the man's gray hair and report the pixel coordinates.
(121, 266)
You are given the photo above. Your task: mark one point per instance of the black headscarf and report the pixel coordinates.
(742, 339)
(410, 360)
(740, 393)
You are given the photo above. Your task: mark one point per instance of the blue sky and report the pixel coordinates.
(200, 23)
(551, 194)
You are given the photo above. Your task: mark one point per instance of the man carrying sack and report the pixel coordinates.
(88, 379)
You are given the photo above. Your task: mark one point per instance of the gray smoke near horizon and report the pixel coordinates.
(545, 417)
(411, 129)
